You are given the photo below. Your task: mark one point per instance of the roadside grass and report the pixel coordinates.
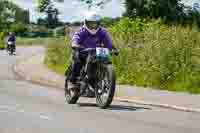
(151, 55)
(157, 55)
(57, 55)
(60, 69)
(21, 41)
(2, 46)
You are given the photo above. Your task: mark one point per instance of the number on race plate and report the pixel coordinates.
(102, 52)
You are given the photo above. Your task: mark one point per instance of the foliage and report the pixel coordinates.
(9, 14)
(58, 54)
(169, 9)
(151, 54)
(43, 5)
(25, 41)
(5, 14)
(95, 3)
(157, 55)
(106, 22)
(42, 21)
(46, 6)
(18, 28)
(22, 16)
(2, 43)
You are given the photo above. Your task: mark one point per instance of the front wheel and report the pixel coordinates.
(105, 89)
(71, 96)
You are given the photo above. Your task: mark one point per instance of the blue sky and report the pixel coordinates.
(72, 10)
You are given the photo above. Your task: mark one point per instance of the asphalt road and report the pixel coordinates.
(29, 108)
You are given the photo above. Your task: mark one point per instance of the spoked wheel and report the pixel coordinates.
(71, 95)
(105, 89)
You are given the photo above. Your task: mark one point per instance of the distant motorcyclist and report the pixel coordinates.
(11, 41)
(89, 35)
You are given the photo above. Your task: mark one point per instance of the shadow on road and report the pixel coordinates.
(116, 107)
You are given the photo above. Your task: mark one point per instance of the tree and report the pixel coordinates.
(43, 5)
(95, 3)
(7, 14)
(42, 21)
(22, 16)
(47, 7)
(136, 8)
(172, 10)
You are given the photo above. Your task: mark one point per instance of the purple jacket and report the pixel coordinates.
(11, 38)
(87, 40)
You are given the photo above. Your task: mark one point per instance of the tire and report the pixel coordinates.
(11, 50)
(70, 98)
(112, 81)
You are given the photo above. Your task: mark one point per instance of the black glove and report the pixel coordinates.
(115, 51)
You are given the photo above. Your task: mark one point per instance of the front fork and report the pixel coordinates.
(100, 85)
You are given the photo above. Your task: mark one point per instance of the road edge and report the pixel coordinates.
(22, 75)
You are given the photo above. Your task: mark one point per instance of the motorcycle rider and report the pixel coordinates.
(11, 41)
(89, 35)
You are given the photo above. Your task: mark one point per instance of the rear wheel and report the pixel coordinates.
(105, 88)
(71, 95)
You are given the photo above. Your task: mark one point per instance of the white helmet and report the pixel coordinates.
(92, 22)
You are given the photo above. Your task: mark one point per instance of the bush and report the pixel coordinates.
(58, 54)
(19, 29)
(2, 43)
(157, 55)
(151, 54)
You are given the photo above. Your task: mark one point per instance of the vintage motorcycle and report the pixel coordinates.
(11, 48)
(97, 75)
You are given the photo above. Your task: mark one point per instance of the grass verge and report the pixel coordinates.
(33, 41)
(151, 55)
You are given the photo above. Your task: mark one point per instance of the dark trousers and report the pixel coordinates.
(77, 64)
(11, 46)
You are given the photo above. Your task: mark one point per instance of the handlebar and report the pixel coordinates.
(86, 50)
